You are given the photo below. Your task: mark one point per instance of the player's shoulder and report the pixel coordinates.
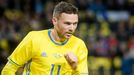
(38, 33)
(77, 39)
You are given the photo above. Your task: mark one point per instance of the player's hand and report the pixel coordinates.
(71, 59)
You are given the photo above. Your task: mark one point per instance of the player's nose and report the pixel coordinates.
(71, 28)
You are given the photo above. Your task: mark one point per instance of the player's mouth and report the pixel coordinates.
(69, 34)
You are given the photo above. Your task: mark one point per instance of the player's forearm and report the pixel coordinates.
(75, 72)
(7, 72)
(9, 69)
(79, 72)
(82, 69)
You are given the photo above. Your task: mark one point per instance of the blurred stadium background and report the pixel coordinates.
(106, 26)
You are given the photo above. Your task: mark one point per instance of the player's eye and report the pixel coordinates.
(67, 23)
(75, 23)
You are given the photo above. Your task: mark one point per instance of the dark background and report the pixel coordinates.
(106, 26)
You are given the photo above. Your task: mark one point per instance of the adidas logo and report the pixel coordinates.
(44, 54)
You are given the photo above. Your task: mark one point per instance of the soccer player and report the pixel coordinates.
(54, 51)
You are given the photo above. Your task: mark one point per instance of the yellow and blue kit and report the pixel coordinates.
(41, 55)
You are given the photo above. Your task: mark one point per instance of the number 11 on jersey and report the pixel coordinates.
(52, 69)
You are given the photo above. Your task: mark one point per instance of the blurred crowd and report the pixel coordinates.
(110, 39)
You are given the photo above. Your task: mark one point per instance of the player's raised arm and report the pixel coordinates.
(78, 63)
(82, 67)
(72, 60)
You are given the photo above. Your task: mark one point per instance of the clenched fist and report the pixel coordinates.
(71, 59)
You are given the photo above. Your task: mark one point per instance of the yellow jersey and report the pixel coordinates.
(41, 55)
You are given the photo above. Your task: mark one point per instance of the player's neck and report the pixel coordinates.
(55, 36)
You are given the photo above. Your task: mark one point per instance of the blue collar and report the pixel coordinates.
(60, 44)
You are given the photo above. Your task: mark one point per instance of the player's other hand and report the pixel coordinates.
(71, 59)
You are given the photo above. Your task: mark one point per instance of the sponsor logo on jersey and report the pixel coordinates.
(56, 55)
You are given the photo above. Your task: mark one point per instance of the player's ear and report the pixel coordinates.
(54, 20)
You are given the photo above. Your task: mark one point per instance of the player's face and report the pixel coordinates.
(66, 24)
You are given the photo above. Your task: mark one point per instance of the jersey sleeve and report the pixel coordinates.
(9, 69)
(82, 68)
(20, 56)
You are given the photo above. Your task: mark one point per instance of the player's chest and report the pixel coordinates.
(51, 55)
